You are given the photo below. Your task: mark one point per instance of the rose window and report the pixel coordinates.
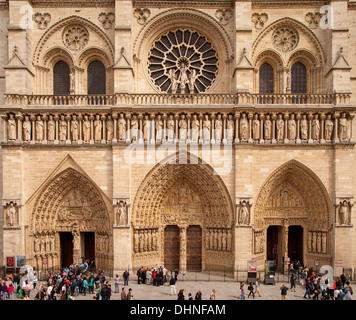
(285, 39)
(182, 61)
(75, 37)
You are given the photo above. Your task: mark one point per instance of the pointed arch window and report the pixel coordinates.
(266, 79)
(96, 78)
(299, 78)
(61, 78)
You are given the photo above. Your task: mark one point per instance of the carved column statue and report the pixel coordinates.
(244, 212)
(343, 211)
(11, 214)
(11, 128)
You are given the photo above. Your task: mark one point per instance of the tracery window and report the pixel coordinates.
(61, 78)
(299, 78)
(96, 78)
(266, 79)
(183, 61)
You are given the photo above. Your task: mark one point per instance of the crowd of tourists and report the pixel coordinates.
(75, 280)
(317, 287)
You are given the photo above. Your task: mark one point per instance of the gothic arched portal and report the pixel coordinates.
(68, 209)
(293, 202)
(195, 200)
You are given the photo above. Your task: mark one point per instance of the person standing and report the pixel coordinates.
(123, 294)
(130, 295)
(172, 284)
(198, 295)
(213, 295)
(292, 282)
(117, 284)
(307, 289)
(284, 290)
(85, 286)
(126, 275)
(181, 295)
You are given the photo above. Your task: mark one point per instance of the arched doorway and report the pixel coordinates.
(70, 221)
(292, 207)
(183, 215)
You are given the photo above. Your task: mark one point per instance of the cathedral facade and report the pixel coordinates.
(197, 135)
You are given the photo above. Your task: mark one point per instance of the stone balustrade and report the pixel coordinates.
(192, 127)
(119, 100)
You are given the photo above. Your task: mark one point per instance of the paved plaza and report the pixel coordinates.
(228, 290)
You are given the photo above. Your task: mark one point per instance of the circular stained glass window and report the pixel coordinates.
(183, 61)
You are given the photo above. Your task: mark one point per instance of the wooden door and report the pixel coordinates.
(66, 239)
(171, 247)
(194, 248)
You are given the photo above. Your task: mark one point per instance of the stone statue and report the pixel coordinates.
(174, 80)
(109, 129)
(218, 128)
(280, 127)
(27, 129)
(97, 128)
(195, 128)
(183, 77)
(304, 128)
(72, 81)
(74, 128)
(159, 128)
(244, 127)
(182, 128)
(315, 128)
(86, 129)
(268, 128)
(39, 129)
(11, 214)
(62, 129)
(329, 125)
(192, 77)
(292, 128)
(344, 213)
(256, 128)
(122, 127)
(134, 128)
(244, 216)
(146, 128)
(51, 129)
(11, 128)
(230, 126)
(121, 214)
(170, 128)
(343, 127)
(206, 128)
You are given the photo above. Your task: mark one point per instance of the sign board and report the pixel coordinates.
(20, 261)
(252, 266)
(10, 262)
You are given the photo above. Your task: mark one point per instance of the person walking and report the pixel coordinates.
(85, 286)
(242, 291)
(257, 287)
(284, 290)
(307, 289)
(172, 284)
(250, 288)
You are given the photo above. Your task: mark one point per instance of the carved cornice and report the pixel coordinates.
(286, 4)
(72, 4)
(182, 4)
